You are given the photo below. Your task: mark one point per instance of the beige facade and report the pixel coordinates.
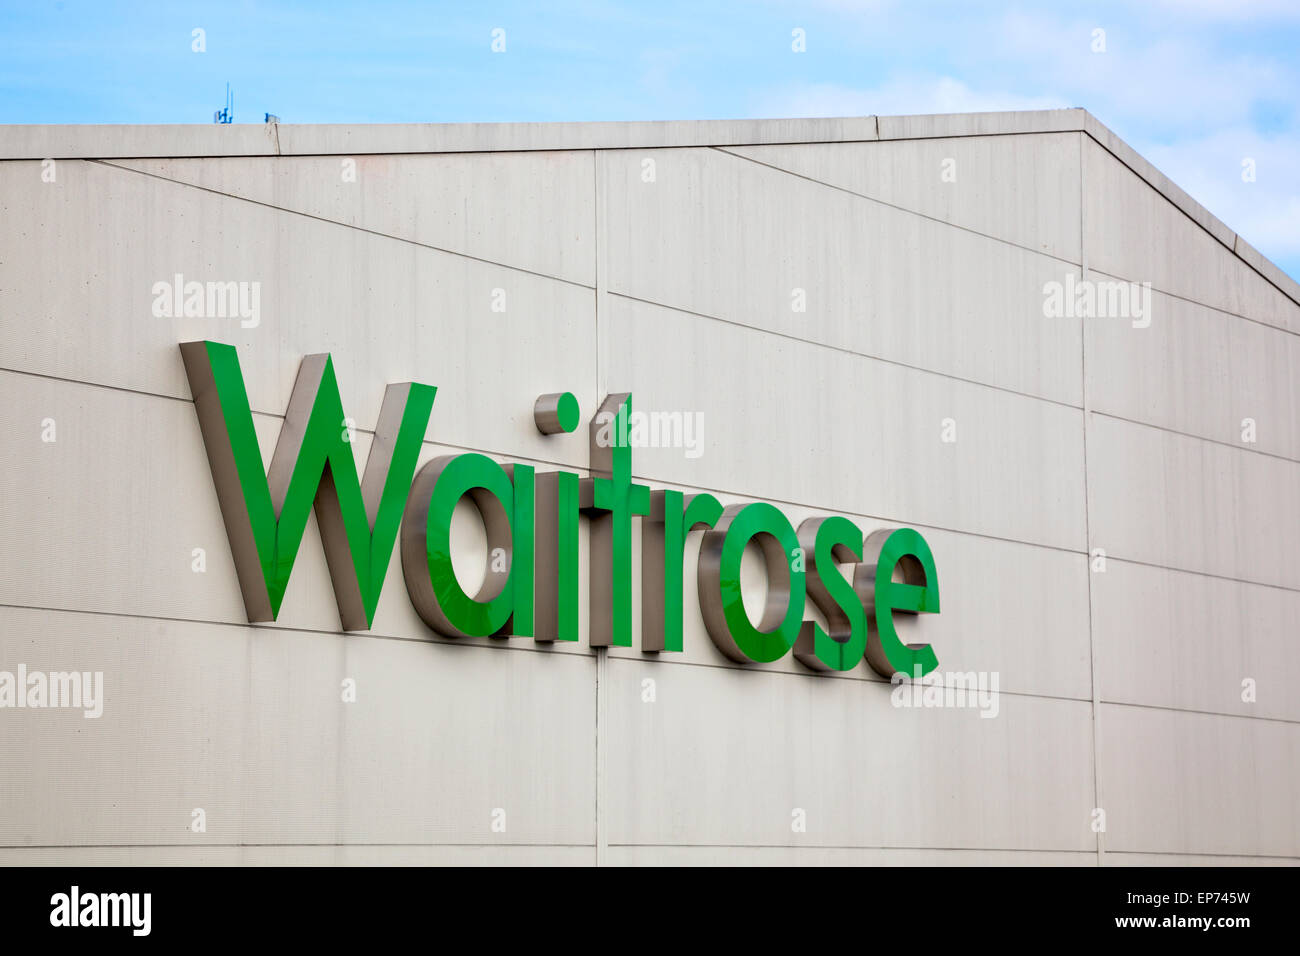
(860, 311)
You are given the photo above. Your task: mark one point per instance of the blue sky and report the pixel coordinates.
(1196, 86)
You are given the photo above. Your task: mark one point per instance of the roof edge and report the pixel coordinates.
(33, 142)
(1211, 223)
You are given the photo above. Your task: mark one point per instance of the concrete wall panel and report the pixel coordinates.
(249, 725)
(1199, 371)
(529, 210)
(1170, 500)
(388, 310)
(723, 757)
(876, 280)
(1188, 641)
(818, 426)
(1022, 189)
(1180, 782)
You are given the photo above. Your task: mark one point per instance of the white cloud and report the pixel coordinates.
(1169, 83)
(1263, 212)
(899, 97)
(1236, 10)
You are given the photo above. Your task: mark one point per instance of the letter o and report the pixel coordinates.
(718, 577)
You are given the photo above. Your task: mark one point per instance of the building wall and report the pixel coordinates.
(1121, 688)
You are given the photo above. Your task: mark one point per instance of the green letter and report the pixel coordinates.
(902, 548)
(557, 550)
(825, 541)
(612, 499)
(663, 537)
(266, 513)
(505, 600)
(719, 583)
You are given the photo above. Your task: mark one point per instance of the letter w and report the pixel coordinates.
(266, 512)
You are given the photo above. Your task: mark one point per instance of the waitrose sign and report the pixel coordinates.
(532, 523)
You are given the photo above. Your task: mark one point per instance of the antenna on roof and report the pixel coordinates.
(226, 115)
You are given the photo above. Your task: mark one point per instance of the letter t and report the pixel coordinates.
(611, 499)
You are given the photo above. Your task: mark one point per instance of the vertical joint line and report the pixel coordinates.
(1087, 514)
(597, 213)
